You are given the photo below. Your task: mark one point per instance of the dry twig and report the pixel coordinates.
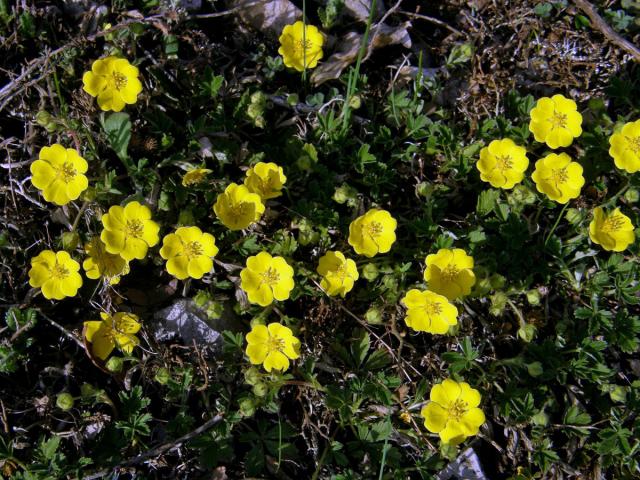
(603, 27)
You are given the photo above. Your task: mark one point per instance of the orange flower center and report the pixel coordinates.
(458, 409)
(119, 80)
(450, 272)
(275, 344)
(612, 223)
(559, 175)
(634, 144)
(134, 228)
(67, 172)
(558, 120)
(59, 272)
(433, 308)
(373, 229)
(193, 249)
(270, 276)
(504, 162)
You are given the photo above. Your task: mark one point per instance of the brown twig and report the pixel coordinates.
(603, 27)
(435, 21)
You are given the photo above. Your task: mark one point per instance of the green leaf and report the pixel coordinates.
(360, 347)
(117, 126)
(487, 201)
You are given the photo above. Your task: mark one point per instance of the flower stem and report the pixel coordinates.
(553, 229)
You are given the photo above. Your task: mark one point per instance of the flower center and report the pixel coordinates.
(275, 344)
(458, 409)
(59, 272)
(67, 172)
(432, 308)
(341, 272)
(558, 120)
(134, 228)
(450, 272)
(504, 162)
(613, 223)
(193, 249)
(373, 229)
(302, 45)
(559, 175)
(270, 276)
(119, 80)
(634, 144)
(240, 209)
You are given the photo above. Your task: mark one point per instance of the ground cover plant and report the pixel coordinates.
(336, 239)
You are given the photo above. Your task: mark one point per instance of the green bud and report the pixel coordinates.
(115, 364)
(344, 193)
(87, 390)
(527, 332)
(70, 241)
(497, 281)
(355, 102)
(533, 297)
(425, 189)
(535, 369)
(373, 316)
(247, 407)
(632, 195)
(64, 401)
(252, 376)
(260, 389)
(89, 195)
(163, 375)
(498, 303)
(370, 272)
(304, 163)
(293, 99)
(214, 310)
(43, 118)
(201, 299)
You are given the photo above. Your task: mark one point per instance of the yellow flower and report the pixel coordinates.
(114, 81)
(272, 346)
(555, 121)
(453, 411)
(450, 273)
(237, 207)
(59, 174)
(502, 163)
(301, 46)
(613, 231)
(102, 263)
(558, 177)
(265, 278)
(339, 273)
(429, 312)
(265, 179)
(373, 233)
(188, 252)
(56, 273)
(129, 231)
(625, 147)
(195, 176)
(110, 332)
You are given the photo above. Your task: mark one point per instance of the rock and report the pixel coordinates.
(465, 467)
(186, 322)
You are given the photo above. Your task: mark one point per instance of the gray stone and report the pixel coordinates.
(465, 467)
(186, 322)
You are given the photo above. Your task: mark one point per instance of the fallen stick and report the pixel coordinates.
(603, 27)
